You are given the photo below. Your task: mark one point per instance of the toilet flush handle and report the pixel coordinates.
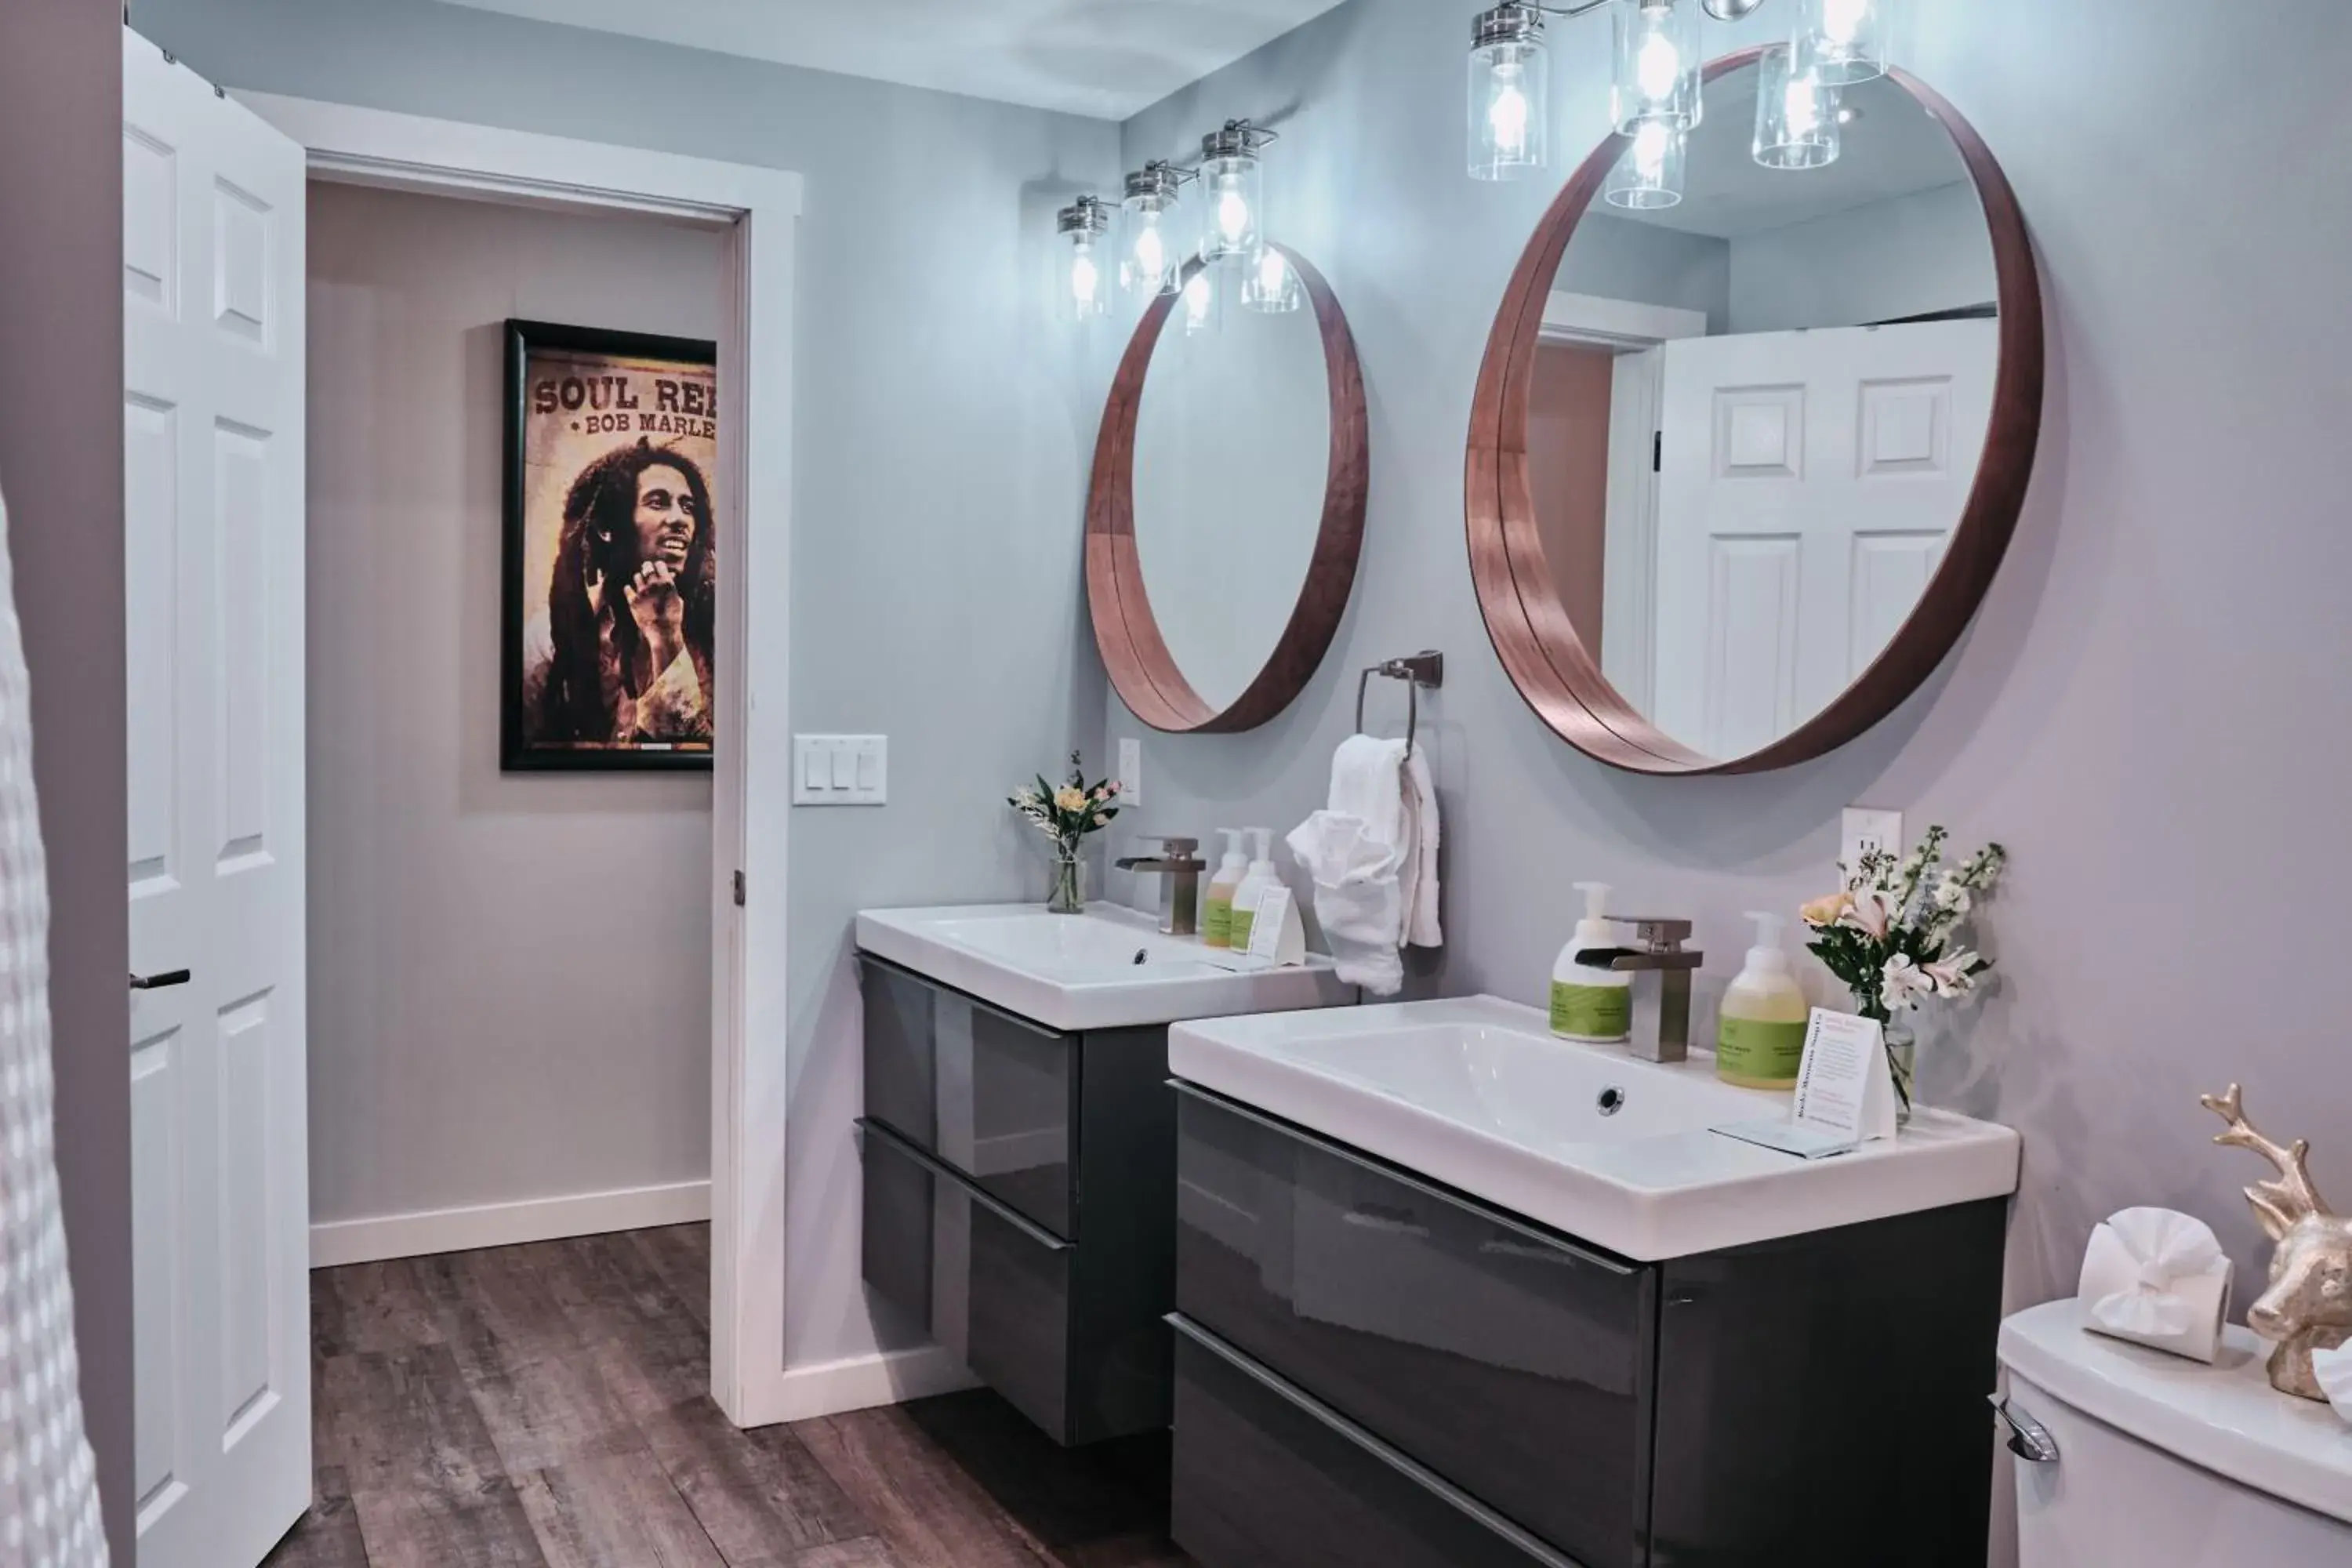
(2029, 1439)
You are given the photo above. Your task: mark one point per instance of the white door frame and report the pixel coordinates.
(760, 208)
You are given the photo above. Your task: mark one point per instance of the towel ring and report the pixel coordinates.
(1426, 667)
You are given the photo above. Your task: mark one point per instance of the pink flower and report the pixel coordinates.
(1902, 982)
(1950, 975)
(1870, 914)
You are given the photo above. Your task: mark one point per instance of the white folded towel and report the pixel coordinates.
(2157, 1276)
(1372, 855)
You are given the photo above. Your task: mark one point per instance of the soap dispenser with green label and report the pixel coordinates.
(1588, 1002)
(1217, 914)
(1760, 1042)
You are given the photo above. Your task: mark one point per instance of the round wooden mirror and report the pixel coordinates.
(1226, 511)
(1742, 465)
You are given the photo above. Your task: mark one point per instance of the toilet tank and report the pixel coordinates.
(2168, 1463)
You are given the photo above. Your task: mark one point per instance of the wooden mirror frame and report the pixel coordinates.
(1134, 652)
(1533, 634)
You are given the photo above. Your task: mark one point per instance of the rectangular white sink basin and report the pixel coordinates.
(1109, 968)
(1479, 1095)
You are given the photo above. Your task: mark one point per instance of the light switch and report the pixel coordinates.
(1130, 772)
(840, 770)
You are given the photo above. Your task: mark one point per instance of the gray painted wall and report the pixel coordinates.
(61, 463)
(1908, 255)
(1622, 259)
(509, 973)
(2150, 709)
(939, 444)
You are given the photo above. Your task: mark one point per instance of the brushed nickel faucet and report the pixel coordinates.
(1179, 866)
(1661, 985)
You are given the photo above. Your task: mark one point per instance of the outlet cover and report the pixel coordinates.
(1130, 772)
(1867, 829)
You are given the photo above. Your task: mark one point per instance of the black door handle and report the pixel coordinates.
(157, 981)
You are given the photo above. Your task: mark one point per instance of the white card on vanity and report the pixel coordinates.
(1277, 936)
(1845, 1088)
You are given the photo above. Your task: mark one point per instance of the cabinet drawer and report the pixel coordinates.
(991, 1094)
(1512, 1363)
(1266, 1476)
(990, 1286)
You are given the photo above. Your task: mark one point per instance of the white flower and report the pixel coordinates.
(1872, 914)
(1952, 895)
(1950, 975)
(1902, 983)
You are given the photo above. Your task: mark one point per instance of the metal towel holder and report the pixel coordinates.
(1426, 667)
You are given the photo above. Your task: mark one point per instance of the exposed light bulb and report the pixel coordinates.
(1086, 281)
(1659, 65)
(1232, 216)
(1841, 20)
(1650, 145)
(1650, 174)
(1507, 116)
(1150, 253)
(1200, 304)
(1801, 113)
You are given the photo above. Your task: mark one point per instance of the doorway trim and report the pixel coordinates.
(760, 209)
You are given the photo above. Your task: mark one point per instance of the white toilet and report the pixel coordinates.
(2152, 1461)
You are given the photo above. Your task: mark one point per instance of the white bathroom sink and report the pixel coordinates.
(1479, 1095)
(1109, 968)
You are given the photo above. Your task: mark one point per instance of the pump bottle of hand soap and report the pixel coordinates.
(1217, 911)
(1588, 1002)
(1760, 1042)
(1251, 892)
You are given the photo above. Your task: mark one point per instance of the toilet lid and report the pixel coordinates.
(2226, 1418)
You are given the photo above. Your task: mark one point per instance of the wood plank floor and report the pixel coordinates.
(547, 1406)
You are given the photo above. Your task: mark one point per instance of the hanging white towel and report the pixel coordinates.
(49, 1485)
(1372, 855)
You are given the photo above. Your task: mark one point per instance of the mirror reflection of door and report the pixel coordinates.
(1755, 417)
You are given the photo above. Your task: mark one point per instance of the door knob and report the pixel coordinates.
(157, 981)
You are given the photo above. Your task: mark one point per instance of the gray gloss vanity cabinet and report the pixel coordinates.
(1373, 1368)
(1019, 1199)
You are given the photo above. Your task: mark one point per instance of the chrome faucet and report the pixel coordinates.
(1179, 866)
(1661, 985)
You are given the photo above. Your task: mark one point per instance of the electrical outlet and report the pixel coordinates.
(1130, 772)
(1867, 830)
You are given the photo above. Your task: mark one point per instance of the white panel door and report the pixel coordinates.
(1807, 484)
(213, 285)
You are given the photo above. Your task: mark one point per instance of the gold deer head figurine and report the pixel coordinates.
(2308, 1306)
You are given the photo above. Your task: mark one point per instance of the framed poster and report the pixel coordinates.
(611, 562)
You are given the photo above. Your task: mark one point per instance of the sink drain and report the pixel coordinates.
(1611, 1100)
(1141, 954)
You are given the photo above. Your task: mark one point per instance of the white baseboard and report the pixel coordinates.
(856, 1382)
(505, 1225)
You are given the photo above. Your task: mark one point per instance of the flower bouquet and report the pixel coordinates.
(1066, 814)
(1888, 934)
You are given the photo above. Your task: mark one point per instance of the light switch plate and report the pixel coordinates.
(1130, 772)
(1867, 829)
(840, 770)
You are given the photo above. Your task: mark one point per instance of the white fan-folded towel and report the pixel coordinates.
(2158, 1278)
(2334, 1371)
(1372, 855)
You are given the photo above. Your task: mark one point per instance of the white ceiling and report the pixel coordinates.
(1103, 58)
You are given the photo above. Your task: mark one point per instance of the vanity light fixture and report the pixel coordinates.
(1657, 81)
(1844, 42)
(1233, 191)
(1271, 284)
(1798, 115)
(1650, 174)
(1151, 253)
(1510, 88)
(1085, 289)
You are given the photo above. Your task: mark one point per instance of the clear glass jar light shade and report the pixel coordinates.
(1657, 71)
(1510, 108)
(1796, 114)
(1151, 256)
(1650, 174)
(1083, 283)
(1270, 285)
(1200, 304)
(1842, 42)
(1232, 193)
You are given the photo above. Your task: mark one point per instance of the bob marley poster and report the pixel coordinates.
(611, 562)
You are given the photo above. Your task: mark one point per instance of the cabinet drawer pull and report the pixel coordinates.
(944, 1172)
(1340, 1426)
(1570, 1252)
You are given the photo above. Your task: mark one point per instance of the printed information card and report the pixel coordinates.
(1845, 1092)
(1277, 938)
